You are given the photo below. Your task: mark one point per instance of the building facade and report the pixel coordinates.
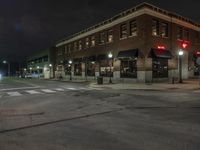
(42, 64)
(139, 45)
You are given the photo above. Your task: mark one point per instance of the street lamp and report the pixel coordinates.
(110, 56)
(6, 62)
(38, 67)
(50, 66)
(70, 65)
(180, 55)
(30, 70)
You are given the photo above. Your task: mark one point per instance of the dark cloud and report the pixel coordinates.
(27, 26)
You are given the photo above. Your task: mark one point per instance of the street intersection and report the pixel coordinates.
(54, 115)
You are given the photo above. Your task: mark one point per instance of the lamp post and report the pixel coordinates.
(31, 69)
(50, 66)
(38, 67)
(6, 62)
(110, 56)
(70, 65)
(180, 55)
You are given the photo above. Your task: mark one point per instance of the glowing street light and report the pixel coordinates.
(180, 55)
(50, 66)
(110, 56)
(70, 64)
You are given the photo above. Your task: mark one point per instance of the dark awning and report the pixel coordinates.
(101, 57)
(77, 60)
(160, 53)
(90, 58)
(128, 53)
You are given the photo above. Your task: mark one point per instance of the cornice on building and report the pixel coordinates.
(144, 8)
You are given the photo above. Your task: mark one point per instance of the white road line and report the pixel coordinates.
(84, 89)
(32, 92)
(72, 89)
(48, 91)
(22, 88)
(59, 89)
(14, 94)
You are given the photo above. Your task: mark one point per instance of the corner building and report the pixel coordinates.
(137, 45)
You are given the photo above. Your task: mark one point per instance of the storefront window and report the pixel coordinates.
(77, 69)
(90, 69)
(160, 68)
(106, 68)
(67, 69)
(128, 69)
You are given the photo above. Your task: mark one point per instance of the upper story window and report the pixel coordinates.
(183, 33)
(123, 31)
(155, 28)
(87, 43)
(45, 59)
(133, 28)
(60, 52)
(164, 30)
(102, 38)
(75, 46)
(93, 41)
(69, 48)
(80, 45)
(110, 36)
(179, 33)
(197, 37)
(186, 34)
(66, 49)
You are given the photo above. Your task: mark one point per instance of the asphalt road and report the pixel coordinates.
(52, 115)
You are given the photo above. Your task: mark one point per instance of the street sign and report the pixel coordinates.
(198, 61)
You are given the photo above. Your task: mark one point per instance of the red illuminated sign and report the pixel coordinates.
(161, 47)
(198, 53)
(184, 44)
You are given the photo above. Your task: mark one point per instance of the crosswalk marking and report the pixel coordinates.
(48, 91)
(84, 88)
(32, 92)
(41, 91)
(14, 94)
(71, 88)
(59, 89)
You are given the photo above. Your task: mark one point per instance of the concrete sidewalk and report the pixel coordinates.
(186, 85)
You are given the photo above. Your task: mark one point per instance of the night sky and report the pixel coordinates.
(27, 26)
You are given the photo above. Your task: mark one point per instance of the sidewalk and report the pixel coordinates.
(186, 85)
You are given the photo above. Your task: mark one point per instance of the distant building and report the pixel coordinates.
(143, 45)
(41, 64)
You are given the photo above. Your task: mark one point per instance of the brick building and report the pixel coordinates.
(139, 45)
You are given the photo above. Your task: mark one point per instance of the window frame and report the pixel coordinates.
(133, 28)
(123, 28)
